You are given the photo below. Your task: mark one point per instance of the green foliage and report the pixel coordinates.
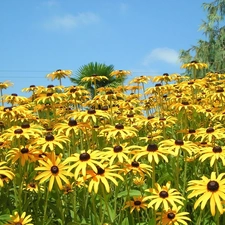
(212, 49)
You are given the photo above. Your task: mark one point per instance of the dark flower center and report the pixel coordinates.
(163, 194)
(219, 90)
(109, 92)
(119, 126)
(50, 86)
(152, 148)
(33, 185)
(213, 186)
(49, 137)
(84, 156)
(179, 142)
(25, 125)
(2, 176)
(162, 118)
(158, 85)
(217, 149)
(14, 94)
(209, 130)
(72, 122)
(135, 164)
(100, 170)
(105, 108)
(32, 86)
(150, 117)
(91, 111)
(49, 94)
(137, 202)
(54, 169)
(118, 148)
(185, 103)
(166, 74)
(191, 131)
(130, 115)
(18, 131)
(6, 109)
(171, 215)
(24, 150)
(73, 90)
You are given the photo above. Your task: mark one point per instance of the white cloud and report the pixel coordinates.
(69, 21)
(166, 55)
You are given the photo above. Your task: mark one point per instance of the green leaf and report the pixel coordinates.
(131, 193)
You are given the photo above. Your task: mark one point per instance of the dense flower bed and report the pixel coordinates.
(129, 155)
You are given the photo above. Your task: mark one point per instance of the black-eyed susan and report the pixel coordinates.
(59, 74)
(84, 161)
(50, 142)
(120, 73)
(214, 153)
(211, 189)
(136, 168)
(137, 203)
(194, 64)
(33, 187)
(164, 196)
(162, 78)
(176, 146)
(139, 181)
(152, 152)
(5, 173)
(210, 134)
(91, 115)
(117, 153)
(53, 169)
(119, 131)
(102, 176)
(22, 154)
(16, 219)
(15, 99)
(172, 217)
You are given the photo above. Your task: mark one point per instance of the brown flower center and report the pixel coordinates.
(84, 156)
(100, 170)
(119, 126)
(72, 122)
(213, 186)
(171, 215)
(179, 142)
(118, 148)
(24, 150)
(91, 111)
(217, 149)
(152, 148)
(137, 202)
(163, 194)
(209, 130)
(49, 137)
(54, 169)
(18, 131)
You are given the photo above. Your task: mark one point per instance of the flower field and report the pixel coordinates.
(131, 154)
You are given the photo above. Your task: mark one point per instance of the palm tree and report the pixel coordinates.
(97, 70)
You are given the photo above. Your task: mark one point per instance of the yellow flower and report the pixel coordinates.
(120, 73)
(194, 64)
(84, 161)
(213, 153)
(119, 131)
(33, 187)
(164, 196)
(94, 78)
(165, 77)
(53, 170)
(5, 84)
(16, 219)
(5, 173)
(172, 217)
(101, 176)
(59, 74)
(175, 147)
(50, 142)
(212, 190)
(137, 203)
(152, 152)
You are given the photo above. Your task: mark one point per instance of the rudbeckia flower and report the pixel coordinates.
(213, 153)
(163, 78)
(53, 170)
(137, 203)
(101, 176)
(84, 161)
(59, 74)
(50, 141)
(152, 152)
(16, 219)
(5, 173)
(120, 73)
(164, 196)
(176, 146)
(119, 130)
(211, 189)
(172, 217)
(194, 64)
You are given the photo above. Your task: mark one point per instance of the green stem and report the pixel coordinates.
(45, 206)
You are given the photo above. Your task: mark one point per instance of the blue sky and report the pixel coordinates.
(143, 36)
